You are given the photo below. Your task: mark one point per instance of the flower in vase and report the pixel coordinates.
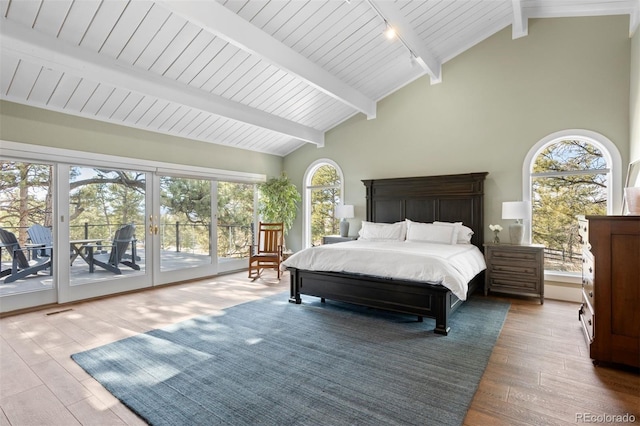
(496, 229)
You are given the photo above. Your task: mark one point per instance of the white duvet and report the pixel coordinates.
(453, 266)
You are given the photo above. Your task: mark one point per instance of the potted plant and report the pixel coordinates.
(279, 200)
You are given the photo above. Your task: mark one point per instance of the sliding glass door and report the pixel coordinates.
(105, 225)
(103, 231)
(203, 226)
(26, 227)
(236, 213)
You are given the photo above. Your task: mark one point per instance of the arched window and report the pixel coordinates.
(324, 185)
(568, 174)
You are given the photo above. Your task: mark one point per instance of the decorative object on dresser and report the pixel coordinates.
(332, 239)
(344, 212)
(631, 195)
(450, 198)
(515, 269)
(609, 312)
(517, 210)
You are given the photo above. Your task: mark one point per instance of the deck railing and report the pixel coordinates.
(234, 241)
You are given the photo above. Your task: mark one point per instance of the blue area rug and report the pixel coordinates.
(270, 362)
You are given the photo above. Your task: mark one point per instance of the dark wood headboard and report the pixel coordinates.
(446, 198)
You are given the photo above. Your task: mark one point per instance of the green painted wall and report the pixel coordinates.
(495, 102)
(634, 104)
(20, 123)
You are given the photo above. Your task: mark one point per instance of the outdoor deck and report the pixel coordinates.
(79, 272)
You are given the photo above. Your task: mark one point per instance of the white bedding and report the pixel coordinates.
(452, 265)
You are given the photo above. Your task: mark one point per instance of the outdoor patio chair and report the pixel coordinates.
(267, 254)
(22, 267)
(41, 235)
(123, 238)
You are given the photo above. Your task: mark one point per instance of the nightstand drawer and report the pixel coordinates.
(500, 283)
(527, 270)
(499, 255)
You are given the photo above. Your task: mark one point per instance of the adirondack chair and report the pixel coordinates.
(21, 267)
(41, 235)
(267, 254)
(123, 238)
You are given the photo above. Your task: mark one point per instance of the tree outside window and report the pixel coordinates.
(325, 193)
(569, 178)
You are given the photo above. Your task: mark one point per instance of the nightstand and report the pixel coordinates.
(331, 239)
(515, 269)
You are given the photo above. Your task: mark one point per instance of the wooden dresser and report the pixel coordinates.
(610, 310)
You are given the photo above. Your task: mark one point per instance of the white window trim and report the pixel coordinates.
(306, 196)
(614, 177)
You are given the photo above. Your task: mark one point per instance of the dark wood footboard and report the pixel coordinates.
(409, 297)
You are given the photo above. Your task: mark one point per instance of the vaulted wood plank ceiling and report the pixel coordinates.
(267, 76)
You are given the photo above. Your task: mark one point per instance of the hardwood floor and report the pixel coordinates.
(539, 373)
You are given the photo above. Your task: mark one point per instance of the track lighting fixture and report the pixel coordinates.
(389, 31)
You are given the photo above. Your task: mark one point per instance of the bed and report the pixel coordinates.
(445, 198)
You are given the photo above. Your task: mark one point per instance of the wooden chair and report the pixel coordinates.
(123, 238)
(21, 267)
(41, 235)
(267, 253)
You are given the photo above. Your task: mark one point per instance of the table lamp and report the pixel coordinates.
(517, 210)
(344, 212)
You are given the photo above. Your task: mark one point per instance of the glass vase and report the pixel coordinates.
(496, 238)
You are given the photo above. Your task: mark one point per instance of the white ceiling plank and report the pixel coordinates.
(112, 102)
(141, 109)
(126, 26)
(78, 20)
(52, 15)
(8, 68)
(22, 42)
(98, 98)
(44, 86)
(101, 27)
(81, 95)
(24, 12)
(175, 48)
(63, 91)
(167, 111)
(169, 29)
(202, 124)
(563, 8)
(152, 112)
(145, 32)
(126, 106)
(25, 77)
(190, 56)
(520, 26)
(226, 24)
(408, 34)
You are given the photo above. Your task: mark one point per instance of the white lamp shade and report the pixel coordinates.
(516, 210)
(344, 211)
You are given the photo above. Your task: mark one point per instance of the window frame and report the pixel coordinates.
(613, 159)
(306, 196)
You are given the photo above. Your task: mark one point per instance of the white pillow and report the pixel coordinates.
(372, 231)
(432, 233)
(464, 232)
